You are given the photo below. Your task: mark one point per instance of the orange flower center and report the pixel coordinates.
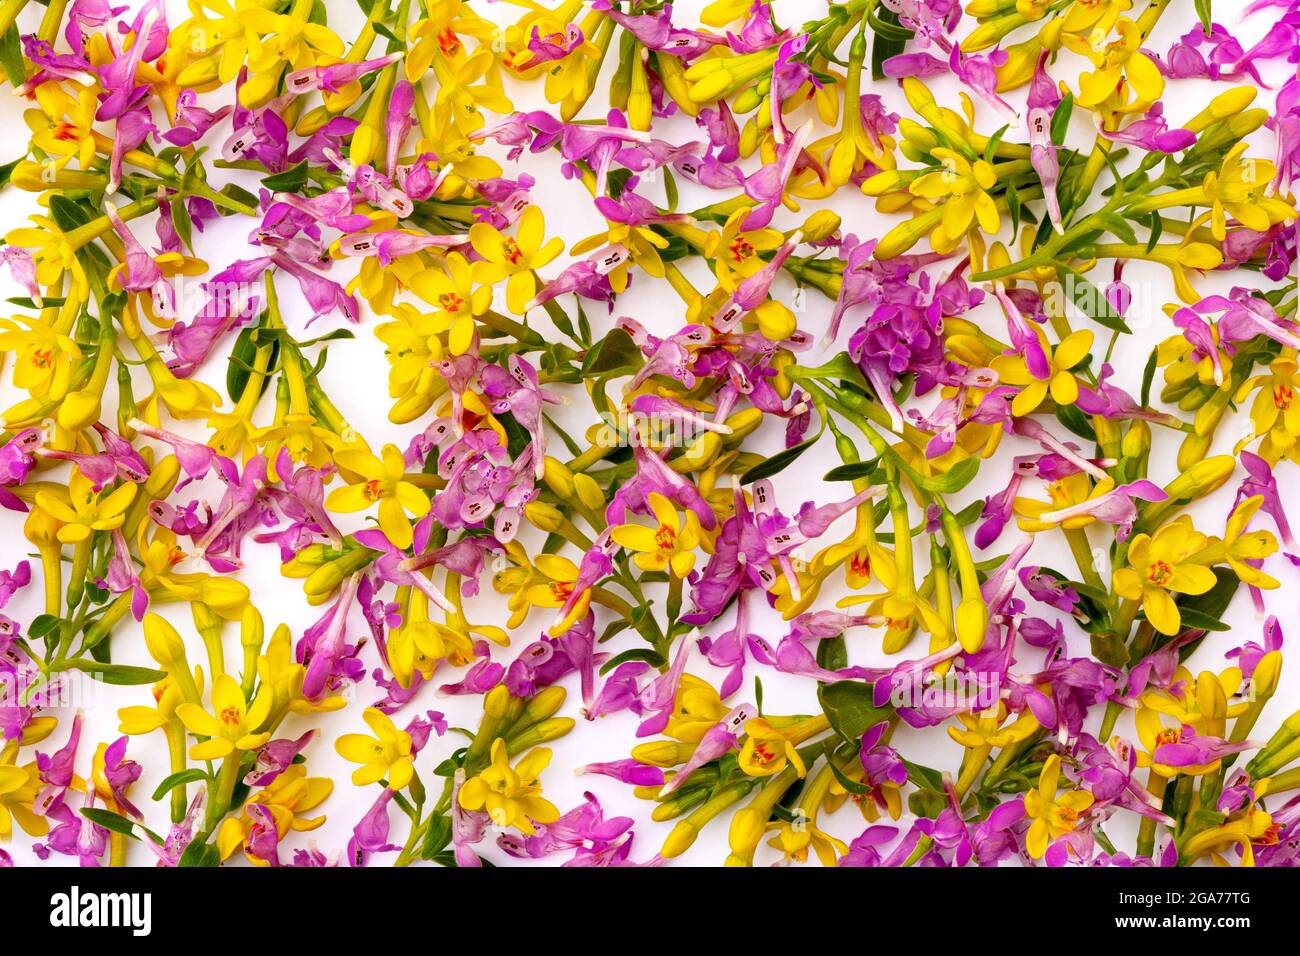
(741, 249)
(450, 301)
(448, 42)
(763, 754)
(511, 251)
(1170, 735)
(1160, 573)
(374, 489)
(230, 715)
(665, 538)
(1282, 396)
(561, 590)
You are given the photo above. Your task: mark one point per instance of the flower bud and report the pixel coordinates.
(79, 410)
(251, 627)
(1137, 440)
(1223, 106)
(663, 753)
(822, 224)
(1201, 479)
(558, 478)
(1192, 450)
(588, 491)
(164, 644)
(680, 802)
(544, 517)
(539, 733)
(543, 704)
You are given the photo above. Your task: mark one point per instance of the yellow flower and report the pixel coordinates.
(671, 545)
(19, 788)
(515, 256)
(1053, 814)
(422, 644)
(1238, 189)
(46, 356)
(1121, 66)
(1160, 564)
(385, 755)
(413, 349)
(767, 750)
(53, 253)
(383, 483)
(962, 187)
(696, 709)
(560, 576)
(65, 125)
(141, 719)
(1274, 411)
(461, 94)
(985, 729)
(235, 724)
(511, 795)
(1201, 703)
(458, 302)
(290, 794)
(438, 34)
(795, 841)
(736, 254)
(1241, 546)
(1064, 495)
(86, 511)
(1059, 380)
(1088, 15)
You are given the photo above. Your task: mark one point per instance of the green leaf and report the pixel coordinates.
(923, 777)
(11, 56)
(890, 38)
(1088, 299)
(110, 821)
(290, 181)
(927, 803)
(243, 354)
(436, 837)
(779, 462)
(1193, 619)
(616, 354)
(118, 674)
(178, 779)
(852, 786)
(852, 471)
(1076, 421)
(1148, 375)
(849, 707)
(68, 215)
(1155, 223)
(200, 854)
(6, 171)
(44, 624)
(1203, 12)
(954, 479)
(1061, 119)
(832, 654)
(650, 656)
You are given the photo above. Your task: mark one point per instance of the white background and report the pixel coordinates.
(356, 378)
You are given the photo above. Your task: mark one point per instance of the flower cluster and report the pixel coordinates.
(584, 515)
